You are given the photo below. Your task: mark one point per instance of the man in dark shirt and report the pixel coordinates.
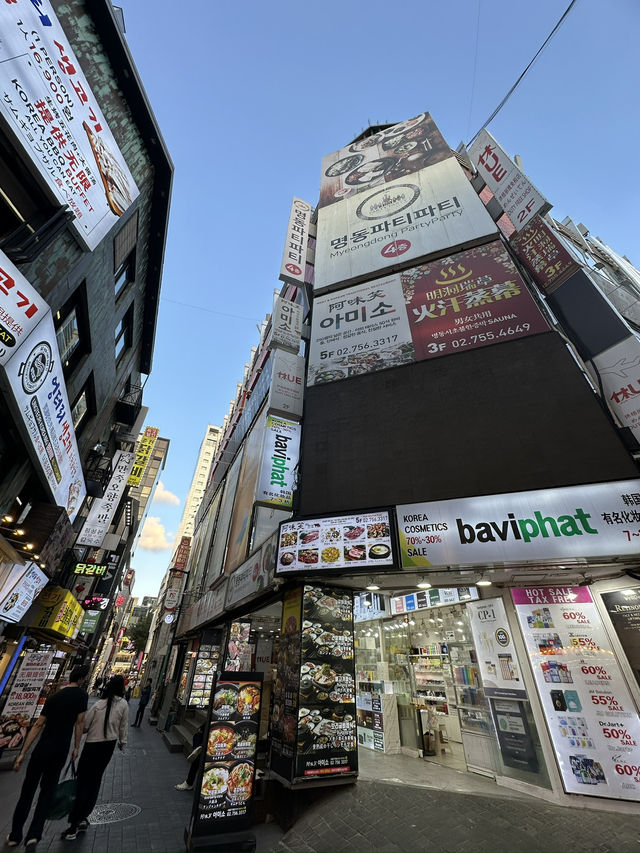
(62, 716)
(145, 696)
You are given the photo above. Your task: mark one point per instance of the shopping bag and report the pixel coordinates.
(64, 795)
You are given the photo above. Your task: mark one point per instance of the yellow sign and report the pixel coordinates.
(61, 613)
(146, 443)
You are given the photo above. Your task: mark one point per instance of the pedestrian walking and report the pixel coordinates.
(196, 749)
(145, 696)
(61, 717)
(106, 723)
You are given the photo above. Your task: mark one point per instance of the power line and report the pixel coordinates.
(521, 77)
(208, 310)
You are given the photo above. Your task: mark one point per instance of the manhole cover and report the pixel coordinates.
(113, 812)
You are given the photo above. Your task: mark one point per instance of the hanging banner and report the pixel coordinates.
(287, 384)
(295, 246)
(59, 612)
(517, 196)
(574, 522)
(34, 384)
(500, 670)
(590, 714)
(22, 701)
(280, 451)
(617, 372)
(286, 325)
(49, 106)
(20, 591)
(430, 211)
(103, 509)
(146, 443)
(543, 254)
(21, 309)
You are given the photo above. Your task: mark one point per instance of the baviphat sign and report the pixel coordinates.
(599, 520)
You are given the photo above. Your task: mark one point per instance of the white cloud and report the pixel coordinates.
(154, 536)
(164, 496)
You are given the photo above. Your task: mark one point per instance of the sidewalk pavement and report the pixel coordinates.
(399, 804)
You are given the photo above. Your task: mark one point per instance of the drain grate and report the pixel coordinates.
(112, 813)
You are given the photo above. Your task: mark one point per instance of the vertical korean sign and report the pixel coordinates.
(21, 703)
(590, 714)
(146, 443)
(226, 781)
(49, 106)
(295, 247)
(103, 509)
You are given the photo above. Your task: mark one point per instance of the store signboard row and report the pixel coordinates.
(396, 152)
(51, 109)
(599, 520)
(591, 716)
(517, 196)
(34, 385)
(346, 541)
(430, 211)
(206, 609)
(20, 588)
(103, 509)
(294, 255)
(435, 597)
(461, 302)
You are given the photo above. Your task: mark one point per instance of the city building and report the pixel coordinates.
(85, 181)
(199, 481)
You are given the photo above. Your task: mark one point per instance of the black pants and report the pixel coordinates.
(139, 714)
(93, 762)
(44, 767)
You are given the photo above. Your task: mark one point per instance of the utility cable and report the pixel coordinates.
(208, 310)
(521, 77)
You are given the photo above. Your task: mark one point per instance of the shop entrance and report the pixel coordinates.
(419, 690)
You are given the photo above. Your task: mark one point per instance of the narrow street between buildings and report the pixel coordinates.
(398, 804)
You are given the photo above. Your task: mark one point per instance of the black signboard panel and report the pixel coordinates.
(514, 734)
(326, 734)
(284, 713)
(623, 606)
(226, 780)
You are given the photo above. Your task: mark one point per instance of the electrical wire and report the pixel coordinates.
(521, 77)
(475, 68)
(208, 310)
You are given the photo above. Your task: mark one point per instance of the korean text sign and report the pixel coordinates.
(578, 521)
(103, 509)
(464, 301)
(20, 591)
(50, 107)
(37, 387)
(543, 254)
(518, 197)
(22, 702)
(295, 248)
(146, 443)
(427, 212)
(21, 308)
(590, 714)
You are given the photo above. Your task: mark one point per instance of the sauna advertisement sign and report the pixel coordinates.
(578, 521)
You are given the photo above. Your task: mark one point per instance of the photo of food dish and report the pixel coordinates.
(308, 556)
(309, 536)
(370, 173)
(379, 551)
(380, 530)
(220, 741)
(288, 539)
(214, 782)
(225, 697)
(248, 699)
(346, 164)
(245, 739)
(287, 558)
(329, 376)
(355, 553)
(353, 531)
(330, 535)
(330, 555)
(240, 782)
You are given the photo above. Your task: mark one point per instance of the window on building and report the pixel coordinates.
(124, 333)
(124, 254)
(83, 406)
(72, 329)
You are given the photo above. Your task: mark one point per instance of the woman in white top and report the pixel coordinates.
(106, 723)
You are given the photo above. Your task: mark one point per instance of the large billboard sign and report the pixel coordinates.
(601, 520)
(517, 196)
(295, 247)
(22, 587)
(427, 212)
(21, 309)
(103, 509)
(398, 151)
(287, 384)
(464, 301)
(280, 451)
(49, 106)
(340, 542)
(37, 388)
(590, 714)
(543, 254)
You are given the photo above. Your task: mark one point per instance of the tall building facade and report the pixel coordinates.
(85, 181)
(199, 481)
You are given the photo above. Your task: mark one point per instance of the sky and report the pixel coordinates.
(249, 98)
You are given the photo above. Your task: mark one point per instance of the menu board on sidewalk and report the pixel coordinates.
(326, 735)
(205, 671)
(354, 541)
(226, 780)
(591, 716)
(284, 714)
(20, 707)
